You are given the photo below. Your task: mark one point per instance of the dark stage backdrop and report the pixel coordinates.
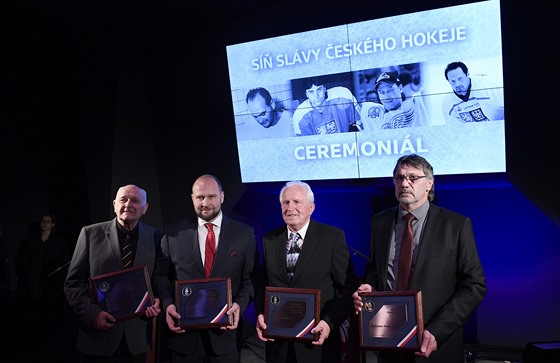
(96, 95)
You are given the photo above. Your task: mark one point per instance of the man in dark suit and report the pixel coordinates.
(183, 247)
(445, 263)
(324, 263)
(99, 251)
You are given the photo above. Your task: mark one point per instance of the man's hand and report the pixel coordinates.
(103, 321)
(170, 316)
(233, 314)
(324, 330)
(153, 310)
(261, 327)
(357, 299)
(429, 345)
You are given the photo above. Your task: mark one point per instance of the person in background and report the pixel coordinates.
(474, 98)
(394, 112)
(324, 263)
(411, 78)
(101, 338)
(183, 257)
(272, 119)
(325, 112)
(41, 259)
(445, 263)
(371, 96)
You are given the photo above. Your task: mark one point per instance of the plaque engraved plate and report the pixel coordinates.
(203, 303)
(125, 293)
(291, 313)
(388, 321)
(391, 321)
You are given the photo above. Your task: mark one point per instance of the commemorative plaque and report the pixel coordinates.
(125, 293)
(391, 320)
(203, 303)
(291, 313)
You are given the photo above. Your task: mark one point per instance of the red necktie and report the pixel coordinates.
(210, 250)
(405, 255)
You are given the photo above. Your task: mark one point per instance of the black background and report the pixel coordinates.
(80, 77)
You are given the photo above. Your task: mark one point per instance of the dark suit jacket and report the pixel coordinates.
(447, 271)
(235, 258)
(324, 263)
(39, 259)
(98, 252)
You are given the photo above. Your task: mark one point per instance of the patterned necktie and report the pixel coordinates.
(405, 255)
(292, 253)
(210, 250)
(127, 252)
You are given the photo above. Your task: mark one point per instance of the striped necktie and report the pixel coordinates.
(127, 251)
(292, 253)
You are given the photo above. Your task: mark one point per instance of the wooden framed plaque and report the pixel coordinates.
(291, 313)
(203, 303)
(391, 320)
(125, 293)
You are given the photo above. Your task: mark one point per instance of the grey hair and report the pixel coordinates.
(308, 191)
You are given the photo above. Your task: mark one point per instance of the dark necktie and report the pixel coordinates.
(127, 252)
(210, 250)
(292, 253)
(405, 255)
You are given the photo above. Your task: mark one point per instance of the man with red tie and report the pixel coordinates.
(443, 263)
(215, 246)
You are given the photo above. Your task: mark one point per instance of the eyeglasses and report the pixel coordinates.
(409, 178)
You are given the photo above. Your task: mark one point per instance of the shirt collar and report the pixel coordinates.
(418, 213)
(216, 221)
(302, 232)
(123, 232)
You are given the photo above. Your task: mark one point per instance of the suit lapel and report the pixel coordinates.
(385, 233)
(222, 249)
(143, 242)
(430, 231)
(192, 240)
(310, 244)
(112, 240)
(278, 250)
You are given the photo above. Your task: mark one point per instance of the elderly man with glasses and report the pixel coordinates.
(443, 263)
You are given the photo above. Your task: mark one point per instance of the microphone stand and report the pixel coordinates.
(358, 253)
(60, 268)
(351, 327)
